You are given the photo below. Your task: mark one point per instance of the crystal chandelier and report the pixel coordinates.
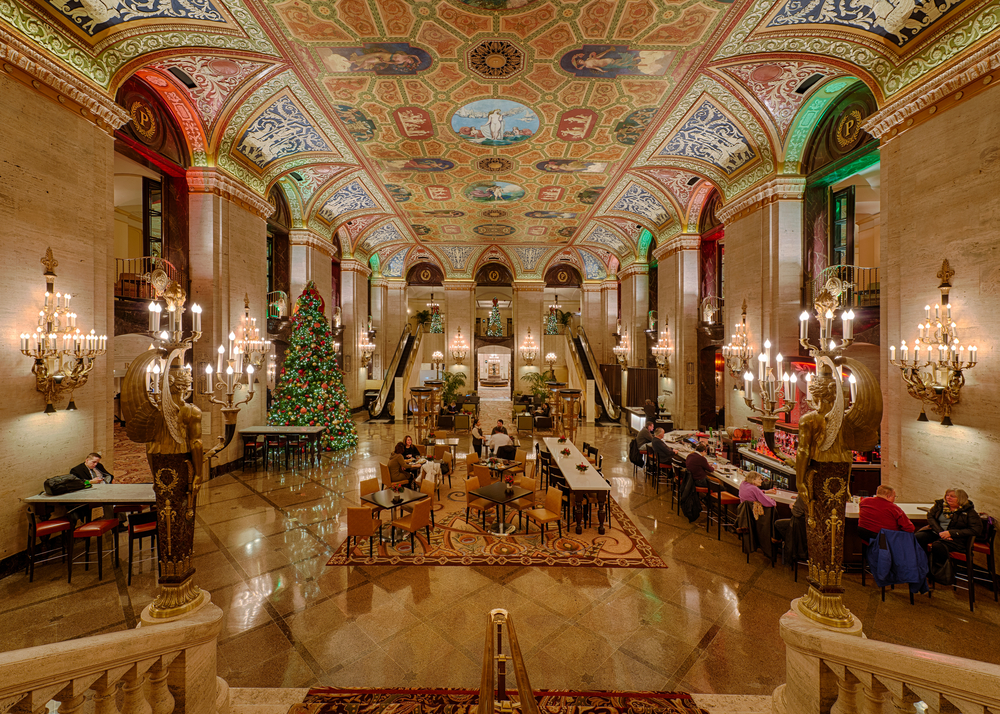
(247, 345)
(367, 349)
(529, 350)
(550, 360)
(63, 354)
(738, 352)
(936, 379)
(459, 348)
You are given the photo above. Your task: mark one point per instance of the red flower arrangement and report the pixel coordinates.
(565, 452)
(508, 479)
(562, 439)
(582, 466)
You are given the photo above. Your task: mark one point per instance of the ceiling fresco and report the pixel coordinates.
(528, 127)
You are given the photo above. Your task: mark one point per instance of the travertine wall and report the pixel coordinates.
(940, 200)
(60, 194)
(678, 276)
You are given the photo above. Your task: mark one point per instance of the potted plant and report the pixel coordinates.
(452, 382)
(423, 317)
(536, 382)
(565, 320)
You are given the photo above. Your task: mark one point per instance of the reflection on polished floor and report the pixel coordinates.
(707, 623)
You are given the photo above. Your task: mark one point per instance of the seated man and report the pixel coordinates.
(92, 470)
(645, 435)
(881, 512)
(498, 438)
(499, 427)
(698, 465)
(659, 447)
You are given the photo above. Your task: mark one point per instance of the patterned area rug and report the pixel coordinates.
(492, 409)
(131, 465)
(455, 542)
(333, 700)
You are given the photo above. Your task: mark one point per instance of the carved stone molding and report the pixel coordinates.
(460, 285)
(779, 188)
(632, 270)
(311, 240)
(28, 66)
(591, 286)
(609, 285)
(379, 283)
(207, 180)
(958, 83)
(355, 266)
(684, 241)
(534, 286)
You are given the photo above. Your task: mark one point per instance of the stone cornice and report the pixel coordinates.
(207, 180)
(524, 286)
(778, 188)
(355, 266)
(25, 64)
(958, 83)
(459, 285)
(591, 286)
(632, 270)
(684, 241)
(396, 284)
(610, 284)
(311, 240)
(379, 282)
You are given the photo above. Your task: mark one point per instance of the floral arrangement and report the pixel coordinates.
(397, 487)
(565, 452)
(508, 479)
(582, 466)
(562, 439)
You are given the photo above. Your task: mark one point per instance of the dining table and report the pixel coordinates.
(385, 499)
(582, 482)
(102, 494)
(312, 433)
(501, 494)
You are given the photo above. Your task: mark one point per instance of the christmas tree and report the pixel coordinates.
(310, 390)
(552, 323)
(493, 327)
(437, 325)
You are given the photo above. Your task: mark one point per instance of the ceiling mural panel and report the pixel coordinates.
(281, 129)
(711, 135)
(592, 267)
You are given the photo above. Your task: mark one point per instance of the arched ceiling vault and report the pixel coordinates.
(531, 127)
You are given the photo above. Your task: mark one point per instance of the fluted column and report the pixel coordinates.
(635, 308)
(528, 309)
(678, 276)
(354, 305)
(459, 312)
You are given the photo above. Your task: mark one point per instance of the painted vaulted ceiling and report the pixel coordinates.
(531, 129)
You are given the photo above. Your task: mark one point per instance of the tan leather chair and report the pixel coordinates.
(385, 475)
(428, 488)
(422, 450)
(470, 460)
(483, 475)
(480, 504)
(443, 456)
(438, 435)
(550, 513)
(519, 471)
(371, 485)
(419, 517)
(527, 502)
(361, 524)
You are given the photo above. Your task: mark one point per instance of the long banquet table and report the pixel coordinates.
(587, 483)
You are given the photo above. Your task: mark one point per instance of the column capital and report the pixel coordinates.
(312, 240)
(915, 106)
(379, 282)
(633, 270)
(355, 266)
(209, 180)
(27, 65)
(397, 285)
(591, 286)
(778, 188)
(459, 285)
(529, 286)
(609, 284)
(684, 241)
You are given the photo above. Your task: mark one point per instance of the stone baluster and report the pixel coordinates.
(935, 702)
(36, 702)
(160, 699)
(903, 703)
(874, 697)
(847, 690)
(104, 699)
(135, 699)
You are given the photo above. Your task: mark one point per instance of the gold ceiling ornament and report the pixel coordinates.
(494, 164)
(63, 355)
(495, 59)
(937, 379)
(842, 420)
(494, 213)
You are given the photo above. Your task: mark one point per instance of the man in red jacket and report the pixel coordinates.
(881, 512)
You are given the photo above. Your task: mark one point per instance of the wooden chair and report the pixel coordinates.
(519, 471)
(385, 475)
(525, 503)
(42, 529)
(422, 450)
(419, 517)
(439, 453)
(140, 526)
(544, 469)
(360, 524)
(483, 476)
(94, 529)
(429, 488)
(470, 461)
(440, 435)
(371, 485)
(479, 504)
(550, 513)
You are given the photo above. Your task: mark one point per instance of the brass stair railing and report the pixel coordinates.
(493, 685)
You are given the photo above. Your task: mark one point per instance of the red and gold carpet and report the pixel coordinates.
(455, 542)
(131, 465)
(334, 700)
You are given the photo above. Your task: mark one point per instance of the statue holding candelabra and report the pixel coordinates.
(827, 435)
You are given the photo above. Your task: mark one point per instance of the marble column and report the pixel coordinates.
(459, 313)
(528, 311)
(635, 308)
(228, 259)
(764, 267)
(311, 259)
(354, 306)
(678, 292)
(378, 287)
(394, 318)
(609, 305)
(592, 316)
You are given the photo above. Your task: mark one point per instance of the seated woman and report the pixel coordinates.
(410, 450)
(951, 522)
(750, 490)
(398, 467)
(544, 410)
(432, 470)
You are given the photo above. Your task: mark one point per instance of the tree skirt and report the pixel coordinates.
(335, 700)
(455, 542)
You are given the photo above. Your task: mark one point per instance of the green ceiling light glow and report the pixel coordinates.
(645, 238)
(808, 117)
(373, 263)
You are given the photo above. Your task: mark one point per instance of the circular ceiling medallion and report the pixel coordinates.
(495, 59)
(494, 213)
(144, 119)
(766, 73)
(495, 165)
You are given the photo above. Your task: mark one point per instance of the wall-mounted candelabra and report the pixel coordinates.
(621, 349)
(661, 350)
(937, 378)
(550, 360)
(777, 391)
(738, 352)
(63, 355)
(366, 349)
(529, 350)
(459, 348)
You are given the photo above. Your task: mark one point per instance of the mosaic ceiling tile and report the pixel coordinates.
(680, 184)
(358, 225)
(303, 25)
(442, 42)
(345, 90)
(528, 255)
(710, 135)
(551, 41)
(595, 20)
(352, 197)
(687, 30)
(635, 19)
(394, 268)
(593, 269)
(599, 235)
(282, 129)
(777, 85)
(309, 179)
(641, 202)
(466, 23)
(458, 255)
(397, 17)
(628, 228)
(526, 23)
(94, 18)
(387, 233)
(356, 15)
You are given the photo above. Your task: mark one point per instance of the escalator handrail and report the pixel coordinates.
(602, 389)
(411, 359)
(390, 374)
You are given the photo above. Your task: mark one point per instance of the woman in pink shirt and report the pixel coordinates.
(750, 490)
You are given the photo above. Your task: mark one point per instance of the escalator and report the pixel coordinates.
(585, 361)
(399, 366)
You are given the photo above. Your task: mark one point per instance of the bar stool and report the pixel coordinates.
(140, 526)
(252, 449)
(94, 529)
(43, 529)
(274, 443)
(722, 499)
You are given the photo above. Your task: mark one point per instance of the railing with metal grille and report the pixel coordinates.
(859, 287)
(277, 304)
(493, 684)
(134, 276)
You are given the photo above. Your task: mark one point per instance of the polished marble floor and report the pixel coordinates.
(708, 623)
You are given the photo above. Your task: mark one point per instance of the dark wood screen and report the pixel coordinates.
(641, 386)
(612, 375)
